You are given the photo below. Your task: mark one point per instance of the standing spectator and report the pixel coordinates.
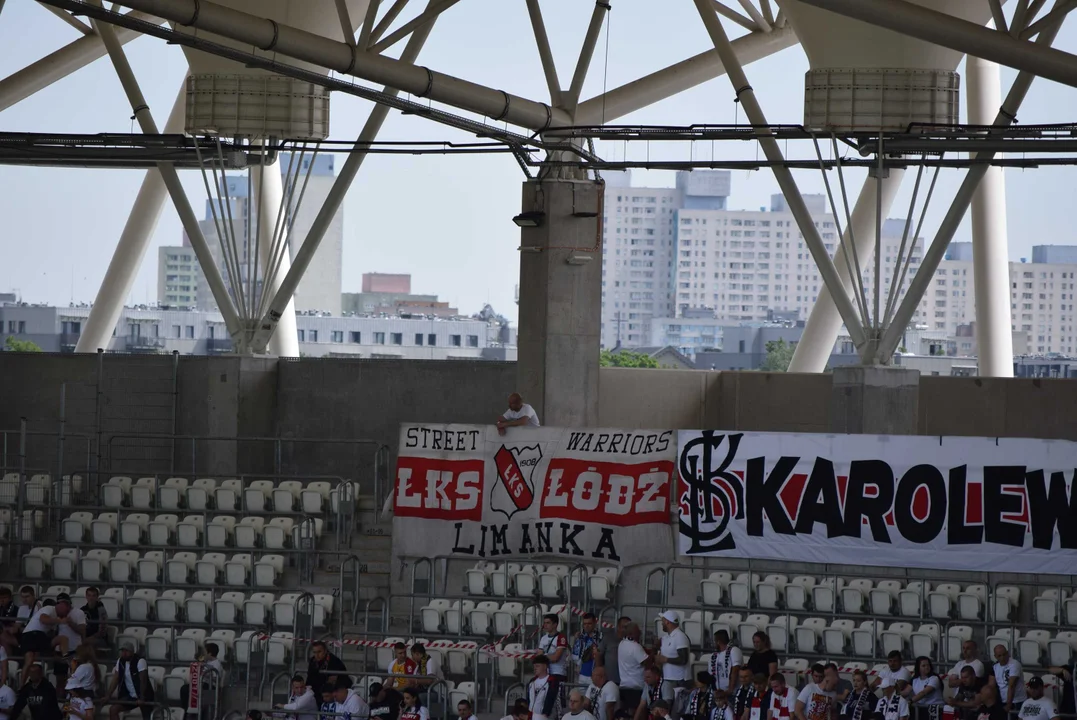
(87, 675)
(861, 701)
(132, 680)
(891, 705)
(744, 694)
(323, 668)
(554, 646)
(1007, 678)
(763, 660)
(673, 651)
(349, 705)
(926, 694)
(894, 670)
(602, 696)
(1068, 675)
(700, 701)
(783, 698)
(576, 710)
(34, 639)
(817, 700)
(654, 690)
(464, 710)
(518, 414)
(586, 648)
(844, 688)
(9, 629)
(759, 704)
(607, 658)
(543, 692)
(384, 702)
(302, 705)
(631, 657)
(966, 699)
(401, 665)
(990, 707)
(39, 695)
(96, 618)
(726, 663)
(969, 658)
(70, 625)
(1036, 706)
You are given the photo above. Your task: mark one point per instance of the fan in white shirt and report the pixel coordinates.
(602, 695)
(7, 700)
(674, 651)
(783, 698)
(518, 414)
(1007, 678)
(725, 663)
(1037, 707)
(969, 658)
(894, 670)
(576, 710)
(301, 701)
(926, 687)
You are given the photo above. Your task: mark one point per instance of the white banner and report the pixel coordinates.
(951, 503)
(589, 495)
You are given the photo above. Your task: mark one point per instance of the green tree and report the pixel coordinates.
(779, 355)
(626, 359)
(15, 345)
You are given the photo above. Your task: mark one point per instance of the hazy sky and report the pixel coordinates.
(444, 219)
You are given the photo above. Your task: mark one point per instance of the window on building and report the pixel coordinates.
(379, 338)
(302, 335)
(431, 339)
(210, 330)
(355, 337)
(473, 341)
(396, 338)
(176, 331)
(418, 338)
(336, 336)
(314, 336)
(454, 340)
(190, 332)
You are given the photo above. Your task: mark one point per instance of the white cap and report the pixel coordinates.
(670, 616)
(887, 683)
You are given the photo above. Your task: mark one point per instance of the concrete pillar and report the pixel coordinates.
(875, 401)
(561, 300)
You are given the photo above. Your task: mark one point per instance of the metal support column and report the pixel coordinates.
(131, 248)
(990, 241)
(824, 323)
(268, 187)
(788, 185)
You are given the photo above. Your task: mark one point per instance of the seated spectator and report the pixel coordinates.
(744, 694)
(349, 705)
(7, 701)
(700, 700)
(519, 711)
(400, 666)
(602, 696)
(131, 678)
(323, 668)
(96, 619)
(413, 706)
(576, 710)
(79, 705)
(329, 702)
(301, 701)
(990, 707)
(660, 710)
(817, 700)
(464, 710)
(39, 695)
(87, 674)
(891, 705)
(1069, 686)
(653, 691)
(427, 672)
(861, 702)
(969, 658)
(966, 699)
(759, 704)
(783, 698)
(519, 414)
(844, 688)
(1036, 706)
(926, 691)
(763, 660)
(384, 702)
(9, 629)
(895, 670)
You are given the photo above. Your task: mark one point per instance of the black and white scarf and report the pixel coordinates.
(744, 695)
(891, 707)
(854, 706)
(699, 704)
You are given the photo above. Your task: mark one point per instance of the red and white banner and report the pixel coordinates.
(591, 495)
(195, 685)
(951, 503)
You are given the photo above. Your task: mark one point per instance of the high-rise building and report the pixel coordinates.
(180, 281)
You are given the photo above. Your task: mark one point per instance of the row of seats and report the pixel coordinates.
(466, 617)
(257, 496)
(153, 567)
(860, 596)
(166, 530)
(201, 607)
(549, 581)
(37, 489)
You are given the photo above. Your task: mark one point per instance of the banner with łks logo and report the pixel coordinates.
(950, 503)
(592, 495)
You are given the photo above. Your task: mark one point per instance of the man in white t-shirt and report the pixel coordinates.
(783, 698)
(554, 646)
(1036, 706)
(630, 660)
(1008, 678)
(602, 696)
(519, 414)
(7, 701)
(969, 658)
(673, 652)
(576, 710)
(895, 670)
(818, 701)
(71, 625)
(34, 639)
(543, 692)
(725, 663)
